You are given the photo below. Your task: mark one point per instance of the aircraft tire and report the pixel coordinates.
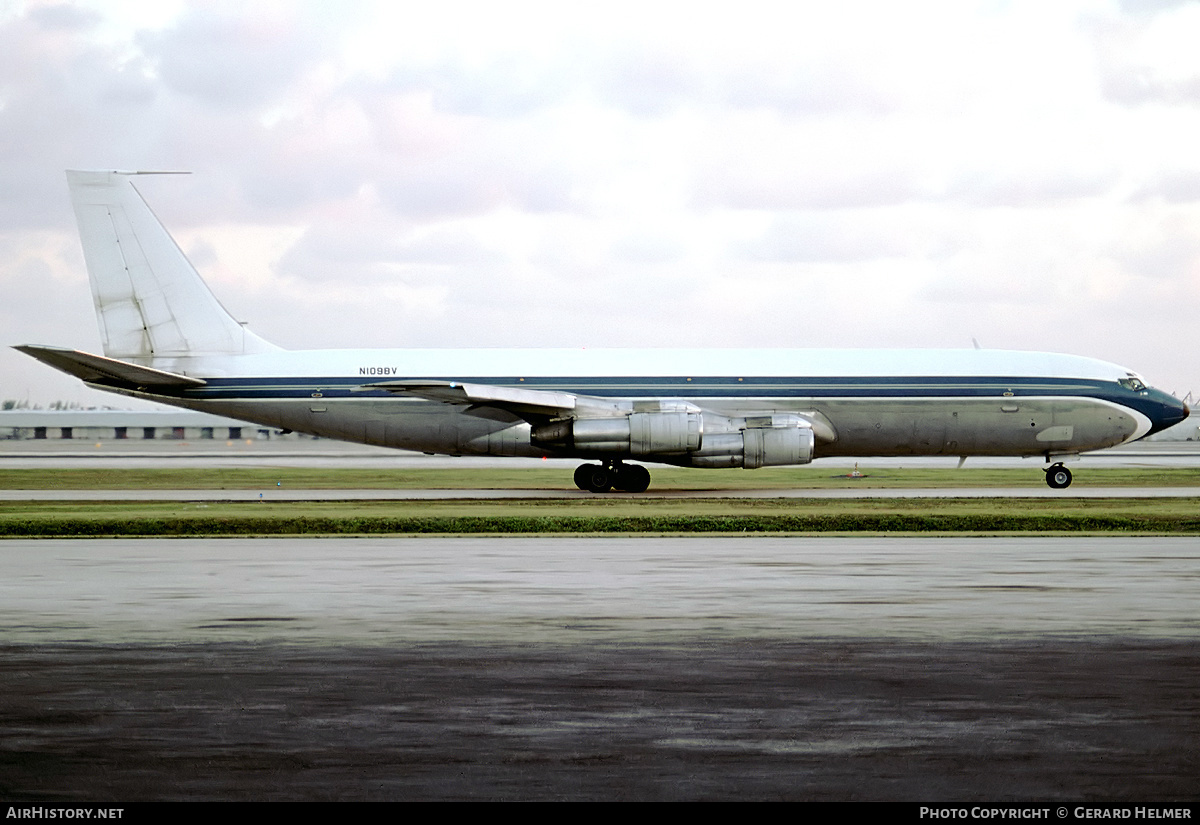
(1058, 477)
(633, 478)
(596, 478)
(581, 475)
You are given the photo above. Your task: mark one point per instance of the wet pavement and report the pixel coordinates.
(941, 670)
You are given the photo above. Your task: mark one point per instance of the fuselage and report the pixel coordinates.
(862, 402)
(167, 338)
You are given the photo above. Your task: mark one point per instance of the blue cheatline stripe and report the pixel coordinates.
(681, 387)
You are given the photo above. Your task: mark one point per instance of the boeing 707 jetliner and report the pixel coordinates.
(167, 339)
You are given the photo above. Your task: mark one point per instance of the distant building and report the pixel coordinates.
(119, 425)
(1186, 430)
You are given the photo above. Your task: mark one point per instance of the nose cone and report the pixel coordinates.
(1168, 411)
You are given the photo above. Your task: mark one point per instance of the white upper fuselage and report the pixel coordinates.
(461, 364)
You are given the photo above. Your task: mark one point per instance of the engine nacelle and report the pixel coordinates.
(756, 447)
(637, 434)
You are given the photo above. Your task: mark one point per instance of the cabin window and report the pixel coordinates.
(1132, 383)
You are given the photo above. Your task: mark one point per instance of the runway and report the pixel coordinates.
(278, 494)
(321, 453)
(930, 669)
(613, 590)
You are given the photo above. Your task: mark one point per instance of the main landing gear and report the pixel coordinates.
(600, 478)
(1058, 476)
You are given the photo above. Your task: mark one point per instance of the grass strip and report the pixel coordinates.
(110, 519)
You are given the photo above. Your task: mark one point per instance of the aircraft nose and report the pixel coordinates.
(1184, 409)
(1169, 413)
(1175, 411)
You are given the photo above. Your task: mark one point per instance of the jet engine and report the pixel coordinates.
(687, 438)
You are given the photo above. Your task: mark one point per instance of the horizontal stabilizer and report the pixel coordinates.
(96, 369)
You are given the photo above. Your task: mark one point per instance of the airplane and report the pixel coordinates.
(167, 339)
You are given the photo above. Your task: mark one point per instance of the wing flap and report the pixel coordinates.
(96, 369)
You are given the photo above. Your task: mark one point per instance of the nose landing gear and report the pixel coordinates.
(600, 478)
(1058, 476)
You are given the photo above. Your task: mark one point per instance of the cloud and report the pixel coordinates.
(1179, 186)
(1029, 187)
(64, 16)
(63, 99)
(1146, 55)
(233, 56)
(627, 174)
(840, 236)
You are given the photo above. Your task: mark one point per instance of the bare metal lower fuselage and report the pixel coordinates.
(860, 426)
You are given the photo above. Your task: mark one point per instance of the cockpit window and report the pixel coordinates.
(1132, 382)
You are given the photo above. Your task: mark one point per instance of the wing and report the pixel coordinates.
(540, 407)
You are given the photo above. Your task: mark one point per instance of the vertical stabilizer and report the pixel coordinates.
(150, 301)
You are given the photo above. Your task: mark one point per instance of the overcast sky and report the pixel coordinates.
(800, 174)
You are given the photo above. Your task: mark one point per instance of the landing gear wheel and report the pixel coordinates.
(1058, 477)
(581, 475)
(632, 478)
(593, 478)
